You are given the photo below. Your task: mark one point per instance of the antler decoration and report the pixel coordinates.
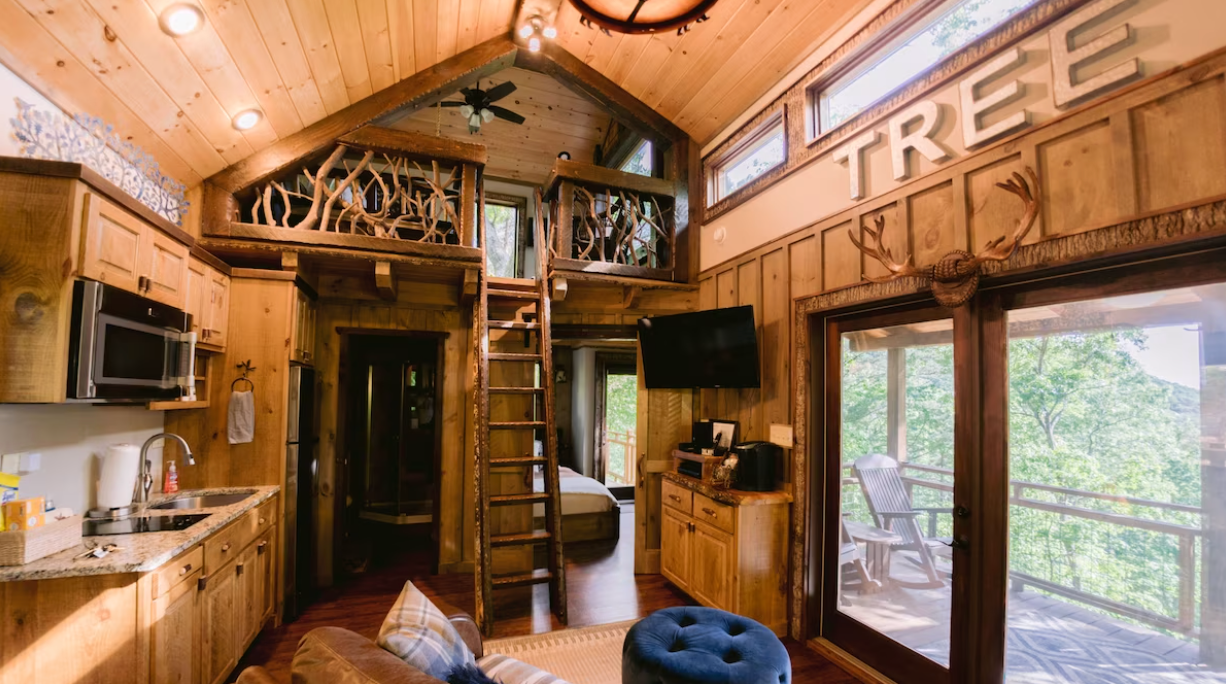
(956, 276)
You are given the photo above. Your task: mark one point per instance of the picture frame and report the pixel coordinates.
(724, 435)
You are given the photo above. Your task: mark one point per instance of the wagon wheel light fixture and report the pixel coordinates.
(534, 30)
(642, 16)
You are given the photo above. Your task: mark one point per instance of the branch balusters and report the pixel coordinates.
(620, 227)
(375, 197)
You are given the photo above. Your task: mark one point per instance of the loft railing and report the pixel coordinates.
(611, 222)
(1183, 622)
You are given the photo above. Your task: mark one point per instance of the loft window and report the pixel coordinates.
(949, 28)
(760, 153)
(640, 161)
(503, 237)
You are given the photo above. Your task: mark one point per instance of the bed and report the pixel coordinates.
(589, 510)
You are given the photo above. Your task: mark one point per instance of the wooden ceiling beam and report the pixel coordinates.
(555, 61)
(413, 144)
(420, 89)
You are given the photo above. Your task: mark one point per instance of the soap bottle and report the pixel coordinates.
(172, 479)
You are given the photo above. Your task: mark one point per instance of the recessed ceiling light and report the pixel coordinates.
(525, 30)
(247, 119)
(181, 19)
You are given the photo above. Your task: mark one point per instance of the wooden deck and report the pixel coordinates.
(1050, 641)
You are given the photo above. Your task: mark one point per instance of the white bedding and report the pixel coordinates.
(579, 494)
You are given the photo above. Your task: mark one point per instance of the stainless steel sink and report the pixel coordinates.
(206, 501)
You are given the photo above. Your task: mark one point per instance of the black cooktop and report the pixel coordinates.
(157, 523)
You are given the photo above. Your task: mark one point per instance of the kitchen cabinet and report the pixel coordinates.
(217, 325)
(302, 349)
(197, 294)
(175, 646)
(725, 548)
(120, 249)
(219, 625)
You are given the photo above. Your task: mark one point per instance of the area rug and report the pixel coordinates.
(586, 655)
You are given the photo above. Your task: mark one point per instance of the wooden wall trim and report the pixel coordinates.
(802, 149)
(420, 89)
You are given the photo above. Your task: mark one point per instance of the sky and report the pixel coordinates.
(1171, 354)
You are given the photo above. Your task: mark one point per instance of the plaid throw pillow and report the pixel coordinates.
(508, 670)
(419, 634)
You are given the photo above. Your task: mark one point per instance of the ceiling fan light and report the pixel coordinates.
(181, 19)
(550, 32)
(487, 116)
(534, 44)
(525, 30)
(474, 120)
(466, 111)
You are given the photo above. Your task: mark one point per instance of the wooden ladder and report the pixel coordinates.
(517, 293)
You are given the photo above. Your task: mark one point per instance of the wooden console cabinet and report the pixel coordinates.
(727, 549)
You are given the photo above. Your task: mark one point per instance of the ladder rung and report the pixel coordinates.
(511, 283)
(512, 325)
(525, 358)
(517, 390)
(523, 539)
(538, 576)
(518, 461)
(517, 425)
(518, 499)
(514, 294)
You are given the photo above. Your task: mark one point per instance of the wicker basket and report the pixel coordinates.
(27, 546)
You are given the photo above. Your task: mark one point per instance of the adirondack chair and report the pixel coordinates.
(849, 554)
(891, 508)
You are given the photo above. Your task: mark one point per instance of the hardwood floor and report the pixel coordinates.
(600, 580)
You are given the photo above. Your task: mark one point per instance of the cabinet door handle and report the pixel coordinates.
(238, 568)
(202, 583)
(142, 283)
(225, 547)
(708, 511)
(260, 547)
(674, 497)
(186, 569)
(262, 520)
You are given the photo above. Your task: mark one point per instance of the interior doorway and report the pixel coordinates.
(392, 413)
(616, 422)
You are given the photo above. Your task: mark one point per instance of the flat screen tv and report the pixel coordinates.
(716, 348)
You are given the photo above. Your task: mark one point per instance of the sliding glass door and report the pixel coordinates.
(1031, 488)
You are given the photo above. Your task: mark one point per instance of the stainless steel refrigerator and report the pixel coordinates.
(300, 470)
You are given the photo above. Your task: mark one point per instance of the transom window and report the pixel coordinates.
(760, 153)
(640, 161)
(949, 28)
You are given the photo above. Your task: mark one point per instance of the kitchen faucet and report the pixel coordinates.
(144, 481)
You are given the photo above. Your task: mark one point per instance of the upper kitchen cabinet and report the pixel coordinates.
(302, 348)
(208, 301)
(122, 250)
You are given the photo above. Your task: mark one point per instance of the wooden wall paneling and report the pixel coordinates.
(962, 223)
(276, 26)
(840, 258)
(728, 404)
(1180, 150)
(990, 212)
(447, 26)
(497, 17)
(930, 216)
(895, 235)
(804, 266)
(347, 37)
(237, 28)
(749, 293)
(468, 24)
(311, 20)
(400, 32)
(1077, 180)
(137, 27)
(82, 33)
(425, 32)
(74, 87)
(373, 16)
(707, 300)
(1124, 165)
(776, 347)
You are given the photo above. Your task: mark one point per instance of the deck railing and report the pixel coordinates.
(1021, 495)
(611, 222)
(619, 472)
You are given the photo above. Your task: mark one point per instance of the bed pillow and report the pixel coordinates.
(419, 634)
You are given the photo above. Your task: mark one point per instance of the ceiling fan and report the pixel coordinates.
(478, 105)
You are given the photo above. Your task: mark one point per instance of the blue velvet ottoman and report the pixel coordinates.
(703, 646)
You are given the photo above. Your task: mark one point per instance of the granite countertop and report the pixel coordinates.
(732, 497)
(140, 552)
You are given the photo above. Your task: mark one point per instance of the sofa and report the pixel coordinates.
(333, 655)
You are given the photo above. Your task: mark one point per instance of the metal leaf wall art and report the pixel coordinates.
(381, 198)
(955, 277)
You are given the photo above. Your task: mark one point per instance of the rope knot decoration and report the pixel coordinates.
(955, 277)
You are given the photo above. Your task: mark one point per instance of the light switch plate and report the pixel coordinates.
(781, 435)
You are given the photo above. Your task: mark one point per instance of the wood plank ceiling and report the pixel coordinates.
(300, 60)
(557, 119)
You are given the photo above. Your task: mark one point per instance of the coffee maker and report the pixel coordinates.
(755, 468)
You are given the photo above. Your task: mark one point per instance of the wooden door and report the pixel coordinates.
(250, 601)
(675, 548)
(197, 295)
(219, 309)
(175, 644)
(266, 571)
(219, 616)
(711, 571)
(114, 245)
(166, 269)
(665, 419)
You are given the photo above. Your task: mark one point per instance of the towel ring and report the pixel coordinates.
(242, 379)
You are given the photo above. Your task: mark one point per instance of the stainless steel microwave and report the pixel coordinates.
(125, 347)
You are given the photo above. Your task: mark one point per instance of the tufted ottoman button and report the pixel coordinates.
(691, 645)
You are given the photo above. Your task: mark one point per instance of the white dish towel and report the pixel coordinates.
(241, 414)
